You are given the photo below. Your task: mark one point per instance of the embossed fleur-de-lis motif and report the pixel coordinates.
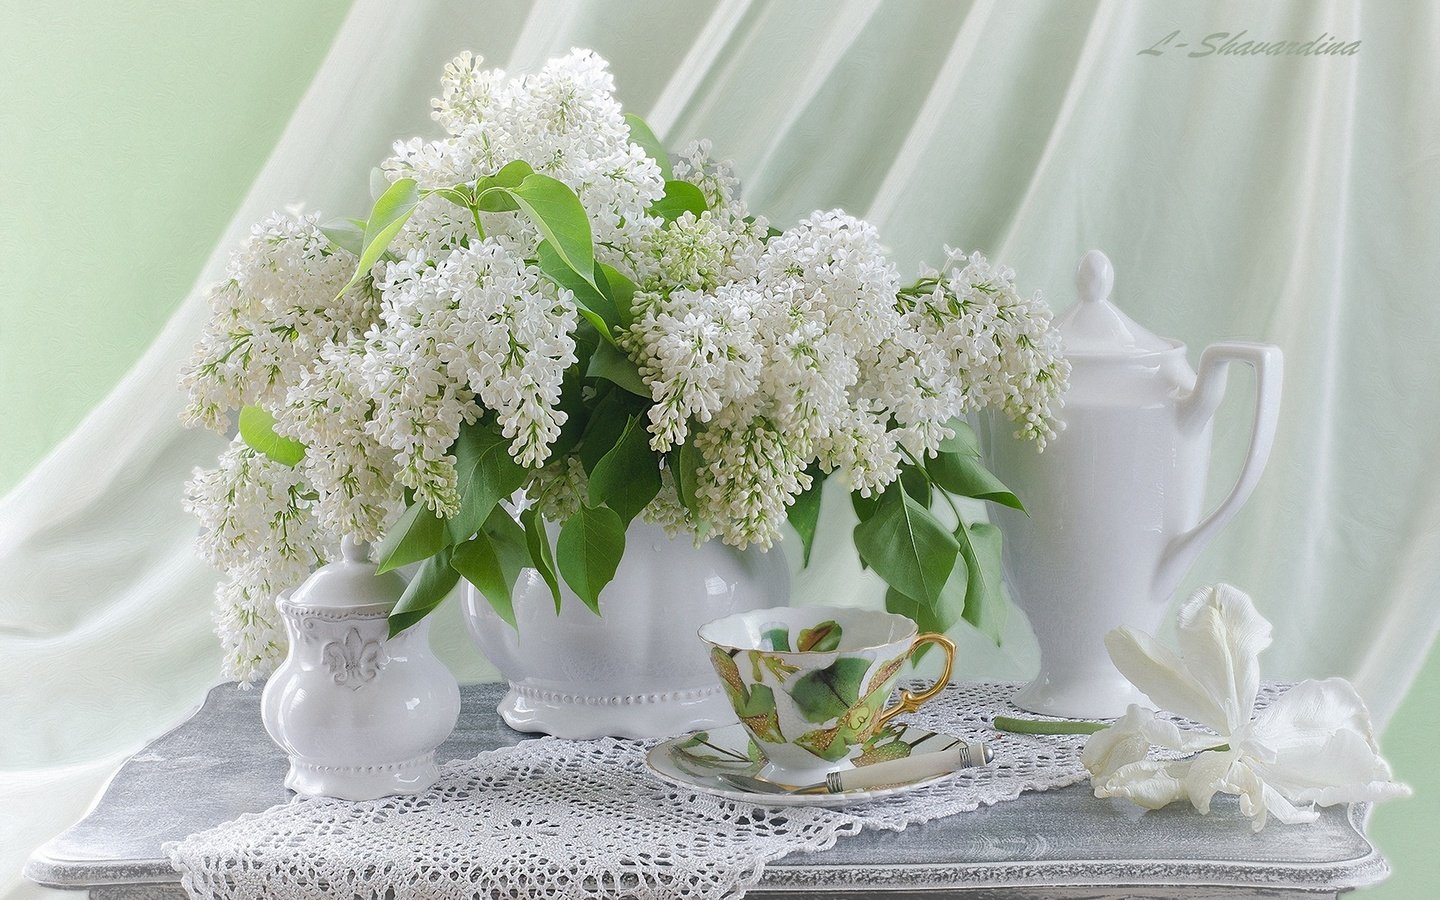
(353, 661)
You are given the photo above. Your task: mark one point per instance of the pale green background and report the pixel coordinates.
(128, 135)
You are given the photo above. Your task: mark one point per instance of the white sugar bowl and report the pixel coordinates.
(360, 713)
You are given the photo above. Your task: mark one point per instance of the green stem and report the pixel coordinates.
(1072, 726)
(479, 229)
(1035, 726)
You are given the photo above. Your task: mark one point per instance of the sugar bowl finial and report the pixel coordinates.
(354, 550)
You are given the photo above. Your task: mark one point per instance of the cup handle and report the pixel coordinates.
(909, 702)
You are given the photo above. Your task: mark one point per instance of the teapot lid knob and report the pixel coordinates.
(1095, 326)
(1094, 278)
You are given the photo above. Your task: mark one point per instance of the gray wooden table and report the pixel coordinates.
(1062, 843)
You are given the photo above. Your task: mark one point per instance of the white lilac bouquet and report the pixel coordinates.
(545, 317)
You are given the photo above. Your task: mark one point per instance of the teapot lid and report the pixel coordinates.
(349, 582)
(1094, 326)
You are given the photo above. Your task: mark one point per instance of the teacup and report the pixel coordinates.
(810, 684)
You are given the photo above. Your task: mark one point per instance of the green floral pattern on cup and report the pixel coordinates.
(843, 699)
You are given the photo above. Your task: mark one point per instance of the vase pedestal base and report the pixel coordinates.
(635, 716)
(1092, 695)
(410, 776)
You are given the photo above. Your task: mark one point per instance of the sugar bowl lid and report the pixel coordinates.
(349, 583)
(1094, 326)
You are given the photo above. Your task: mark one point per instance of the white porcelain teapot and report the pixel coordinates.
(1114, 501)
(359, 713)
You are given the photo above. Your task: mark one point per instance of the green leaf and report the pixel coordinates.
(985, 606)
(641, 134)
(916, 483)
(972, 592)
(487, 475)
(823, 694)
(627, 478)
(417, 534)
(614, 365)
(759, 702)
(680, 197)
(922, 614)
(478, 563)
(864, 506)
(386, 218)
(496, 200)
(609, 414)
(572, 399)
(493, 559)
(621, 292)
(939, 616)
(685, 462)
(378, 183)
(492, 193)
(755, 705)
(777, 638)
(759, 713)
(596, 307)
(965, 476)
(557, 212)
(460, 196)
(347, 234)
(257, 428)
(510, 175)
(729, 672)
(804, 512)
(964, 442)
(824, 637)
(508, 536)
(430, 585)
(541, 557)
(907, 546)
(589, 550)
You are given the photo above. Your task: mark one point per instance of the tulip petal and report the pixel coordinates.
(1259, 800)
(1209, 774)
(1162, 676)
(1311, 711)
(1220, 636)
(1150, 783)
(1321, 747)
(1118, 745)
(1165, 733)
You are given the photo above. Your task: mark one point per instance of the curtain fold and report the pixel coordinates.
(1286, 199)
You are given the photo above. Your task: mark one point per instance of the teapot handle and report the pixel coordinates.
(1195, 411)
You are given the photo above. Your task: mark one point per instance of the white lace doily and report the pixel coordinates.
(585, 819)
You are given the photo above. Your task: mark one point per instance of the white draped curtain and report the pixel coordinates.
(1289, 199)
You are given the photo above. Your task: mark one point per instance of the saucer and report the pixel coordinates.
(696, 760)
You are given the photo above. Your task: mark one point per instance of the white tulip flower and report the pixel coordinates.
(1314, 746)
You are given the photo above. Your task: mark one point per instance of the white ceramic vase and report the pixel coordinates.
(1115, 502)
(639, 669)
(359, 713)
